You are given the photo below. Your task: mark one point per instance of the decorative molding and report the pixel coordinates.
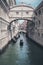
(22, 6)
(21, 18)
(21, 10)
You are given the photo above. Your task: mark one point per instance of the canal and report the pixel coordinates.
(28, 54)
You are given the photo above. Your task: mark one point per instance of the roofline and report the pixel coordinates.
(21, 6)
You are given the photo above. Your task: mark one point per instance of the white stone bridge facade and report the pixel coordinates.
(22, 11)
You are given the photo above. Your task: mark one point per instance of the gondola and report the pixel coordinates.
(21, 42)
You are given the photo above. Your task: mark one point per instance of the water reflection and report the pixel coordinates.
(28, 54)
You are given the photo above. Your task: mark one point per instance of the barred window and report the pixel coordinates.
(27, 12)
(17, 12)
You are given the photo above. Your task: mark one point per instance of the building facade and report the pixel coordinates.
(4, 22)
(39, 19)
(38, 26)
(22, 12)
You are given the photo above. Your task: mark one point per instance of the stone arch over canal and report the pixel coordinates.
(21, 12)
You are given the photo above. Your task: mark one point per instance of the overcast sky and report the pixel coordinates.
(33, 3)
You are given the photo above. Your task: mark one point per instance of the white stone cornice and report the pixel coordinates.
(21, 6)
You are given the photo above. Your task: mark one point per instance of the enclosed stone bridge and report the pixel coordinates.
(21, 12)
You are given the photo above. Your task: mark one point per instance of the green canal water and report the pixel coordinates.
(28, 54)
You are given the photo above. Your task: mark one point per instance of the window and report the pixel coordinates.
(42, 10)
(36, 28)
(39, 12)
(35, 13)
(38, 34)
(39, 22)
(42, 35)
(34, 18)
(17, 12)
(27, 12)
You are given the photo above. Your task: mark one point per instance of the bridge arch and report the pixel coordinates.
(22, 11)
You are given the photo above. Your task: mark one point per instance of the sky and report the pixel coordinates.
(20, 21)
(33, 3)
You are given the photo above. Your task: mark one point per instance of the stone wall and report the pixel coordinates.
(4, 22)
